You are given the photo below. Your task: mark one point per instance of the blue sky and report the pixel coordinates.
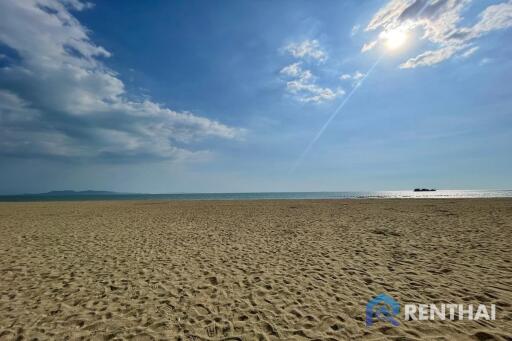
(201, 96)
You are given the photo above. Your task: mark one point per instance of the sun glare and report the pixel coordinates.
(394, 38)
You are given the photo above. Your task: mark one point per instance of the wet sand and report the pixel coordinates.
(250, 270)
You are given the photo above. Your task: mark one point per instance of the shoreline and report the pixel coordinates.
(111, 196)
(127, 200)
(152, 200)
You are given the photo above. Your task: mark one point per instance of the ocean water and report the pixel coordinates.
(266, 195)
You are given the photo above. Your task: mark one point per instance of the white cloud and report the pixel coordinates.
(495, 17)
(292, 70)
(485, 61)
(430, 57)
(60, 99)
(358, 75)
(307, 49)
(439, 20)
(303, 85)
(77, 4)
(355, 77)
(354, 30)
(311, 92)
(469, 52)
(370, 45)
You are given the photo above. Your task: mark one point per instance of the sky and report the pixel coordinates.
(255, 96)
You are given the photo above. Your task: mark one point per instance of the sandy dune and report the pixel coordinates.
(267, 270)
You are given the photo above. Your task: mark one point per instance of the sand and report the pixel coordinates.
(253, 270)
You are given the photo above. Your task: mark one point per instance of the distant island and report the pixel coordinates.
(71, 192)
(66, 195)
(424, 190)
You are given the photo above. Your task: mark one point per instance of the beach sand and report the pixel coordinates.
(250, 270)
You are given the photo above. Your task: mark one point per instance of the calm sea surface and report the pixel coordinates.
(270, 195)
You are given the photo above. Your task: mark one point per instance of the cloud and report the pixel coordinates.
(354, 30)
(439, 21)
(77, 4)
(301, 82)
(303, 86)
(370, 45)
(495, 17)
(59, 99)
(355, 77)
(430, 57)
(469, 52)
(485, 61)
(292, 70)
(307, 49)
(311, 92)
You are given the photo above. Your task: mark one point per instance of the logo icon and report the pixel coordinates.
(383, 308)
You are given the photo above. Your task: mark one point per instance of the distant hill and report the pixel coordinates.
(68, 195)
(76, 193)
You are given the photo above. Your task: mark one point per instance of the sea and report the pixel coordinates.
(408, 194)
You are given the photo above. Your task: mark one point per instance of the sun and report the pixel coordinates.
(394, 38)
